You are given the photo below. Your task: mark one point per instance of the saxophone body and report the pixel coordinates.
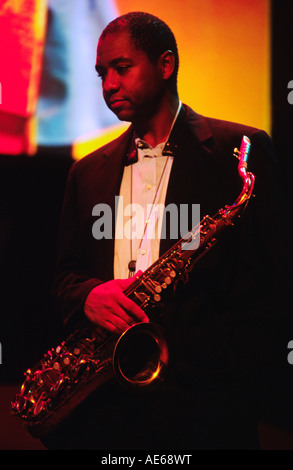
(91, 356)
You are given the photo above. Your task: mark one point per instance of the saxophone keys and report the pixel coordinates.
(170, 274)
(236, 153)
(157, 298)
(60, 347)
(154, 285)
(212, 242)
(68, 359)
(179, 264)
(19, 404)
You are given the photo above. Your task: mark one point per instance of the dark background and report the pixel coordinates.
(281, 74)
(31, 194)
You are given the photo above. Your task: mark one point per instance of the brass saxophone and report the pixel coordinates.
(91, 356)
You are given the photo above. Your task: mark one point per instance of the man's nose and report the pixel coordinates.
(111, 82)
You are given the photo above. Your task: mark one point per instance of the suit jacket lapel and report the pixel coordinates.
(192, 158)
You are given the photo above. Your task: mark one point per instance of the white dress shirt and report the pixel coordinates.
(140, 208)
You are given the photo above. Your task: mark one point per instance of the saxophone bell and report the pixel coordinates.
(141, 355)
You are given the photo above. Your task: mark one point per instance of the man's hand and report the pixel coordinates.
(107, 306)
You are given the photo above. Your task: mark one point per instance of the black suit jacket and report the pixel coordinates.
(228, 324)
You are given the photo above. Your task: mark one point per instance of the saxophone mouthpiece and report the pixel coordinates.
(245, 148)
(243, 153)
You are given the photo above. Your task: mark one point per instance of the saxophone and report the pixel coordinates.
(91, 356)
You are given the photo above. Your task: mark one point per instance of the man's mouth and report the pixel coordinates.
(116, 103)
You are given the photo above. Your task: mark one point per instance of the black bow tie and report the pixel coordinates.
(170, 147)
(169, 150)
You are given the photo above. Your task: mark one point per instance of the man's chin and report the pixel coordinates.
(124, 116)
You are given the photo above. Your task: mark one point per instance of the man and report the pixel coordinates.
(221, 327)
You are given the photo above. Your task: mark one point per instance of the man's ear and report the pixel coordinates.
(167, 64)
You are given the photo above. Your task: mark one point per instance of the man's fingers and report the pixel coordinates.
(107, 306)
(119, 321)
(135, 311)
(116, 325)
(131, 307)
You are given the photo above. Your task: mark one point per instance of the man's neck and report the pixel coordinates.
(157, 128)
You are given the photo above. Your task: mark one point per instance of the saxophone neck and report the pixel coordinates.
(247, 178)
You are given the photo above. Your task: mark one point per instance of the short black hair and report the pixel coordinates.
(149, 34)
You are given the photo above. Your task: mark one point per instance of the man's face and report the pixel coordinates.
(132, 84)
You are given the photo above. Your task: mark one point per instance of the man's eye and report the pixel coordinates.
(100, 75)
(121, 69)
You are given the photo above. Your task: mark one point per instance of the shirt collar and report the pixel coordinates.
(167, 148)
